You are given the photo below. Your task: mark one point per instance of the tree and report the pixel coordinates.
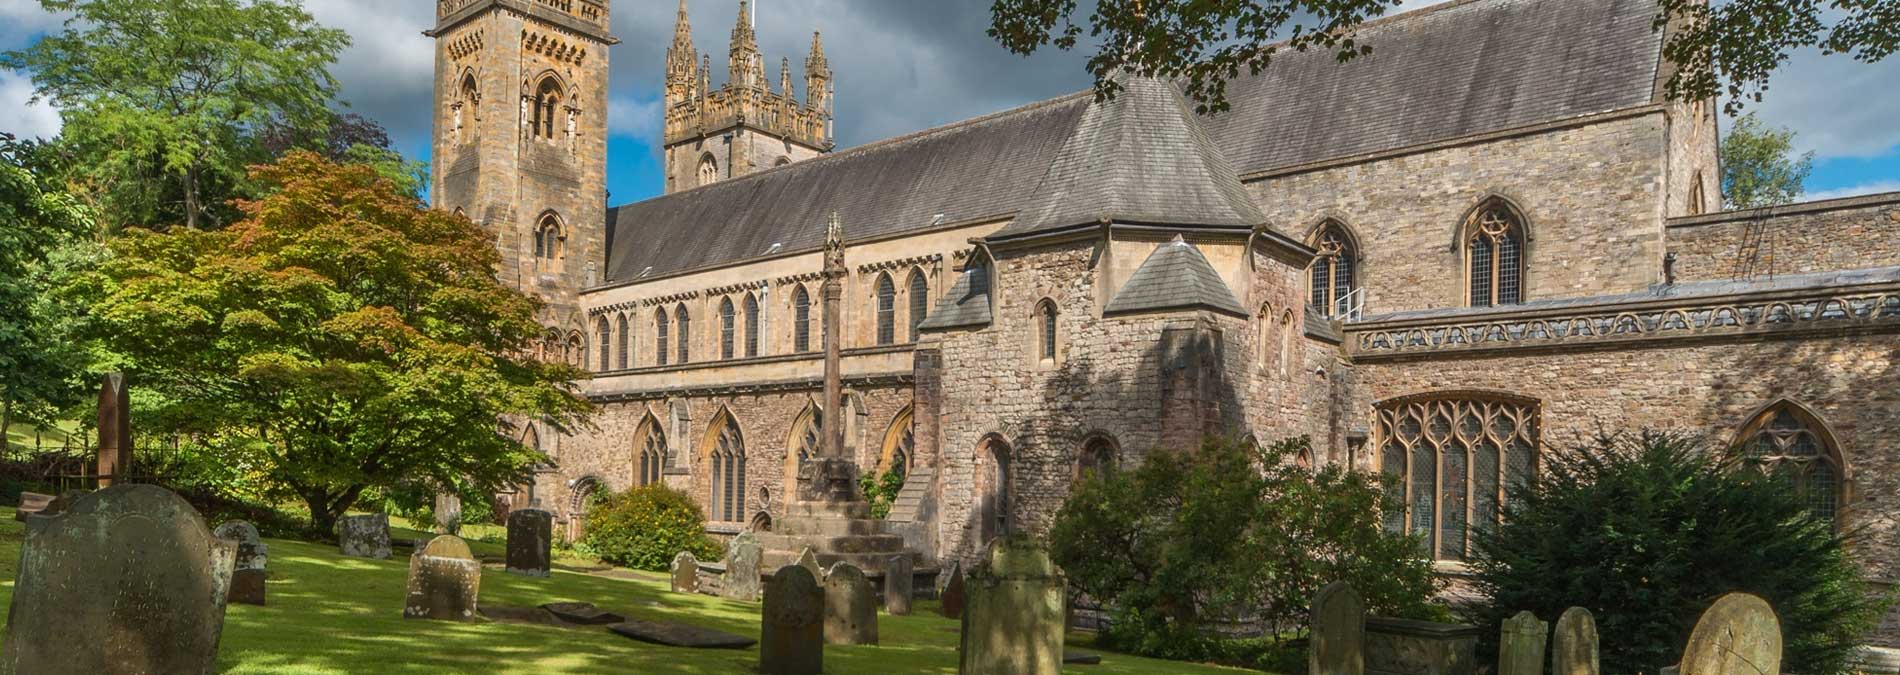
(43, 238)
(161, 96)
(1729, 48)
(1759, 167)
(1651, 529)
(349, 138)
(339, 337)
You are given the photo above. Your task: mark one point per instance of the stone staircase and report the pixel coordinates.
(835, 533)
(911, 497)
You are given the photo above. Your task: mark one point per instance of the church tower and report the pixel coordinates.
(744, 126)
(520, 141)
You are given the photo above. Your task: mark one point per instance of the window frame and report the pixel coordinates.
(682, 330)
(1827, 452)
(1488, 229)
(728, 329)
(801, 320)
(886, 305)
(919, 301)
(1525, 416)
(1337, 260)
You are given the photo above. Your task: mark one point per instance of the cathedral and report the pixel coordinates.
(1492, 238)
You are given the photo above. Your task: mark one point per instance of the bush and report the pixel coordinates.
(1647, 531)
(1189, 540)
(881, 491)
(646, 527)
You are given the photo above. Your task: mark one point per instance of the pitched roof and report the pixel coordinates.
(1175, 276)
(1141, 158)
(964, 306)
(1462, 68)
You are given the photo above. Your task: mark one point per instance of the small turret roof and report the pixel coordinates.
(1175, 276)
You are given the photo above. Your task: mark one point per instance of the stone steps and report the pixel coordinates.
(911, 498)
(862, 543)
(829, 527)
(870, 563)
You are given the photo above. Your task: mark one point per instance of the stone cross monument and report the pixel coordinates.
(832, 476)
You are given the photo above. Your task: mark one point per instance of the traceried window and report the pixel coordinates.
(683, 329)
(652, 455)
(751, 325)
(900, 444)
(727, 325)
(1046, 327)
(1333, 269)
(660, 343)
(804, 443)
(708, 170)
(727, 500)
(576, 352)
(466, 100)
(886, 310)
(1787, 442)
(623, 340)
(547, 104)
(1453, 458)
(606, 340)
(547, 239)
(919, 301)
(1494, 254)
(801, 320)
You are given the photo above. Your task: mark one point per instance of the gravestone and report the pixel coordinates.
(808, 559)
(897, 585)
(444, 581)
(123, 580)
(1013, 620)
(850, 607)
(1573, 647)
(247, 576)
(581, 613)
(448, 513)
(742, 569)
(792, 625)
(31, 503)
(1739, 635)
(530, 542)
(675, 634)
(685, 573)
(363, 536)
(1521, 645)
(950, 591)
(1338, 632)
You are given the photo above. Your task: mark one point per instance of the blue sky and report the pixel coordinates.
(905, 65)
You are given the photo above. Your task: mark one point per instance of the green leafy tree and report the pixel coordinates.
(44, 240)
(1760, 167)
(1731, 47)
(161, 97)
(349, 138)
(1647, 530)
(1187, 540)
(340, 337)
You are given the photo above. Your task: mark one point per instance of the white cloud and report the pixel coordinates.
(388, 72)
(1873, 188)
(21, 19)
(19, 115)
(631, 116)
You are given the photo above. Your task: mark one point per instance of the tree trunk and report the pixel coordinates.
(191, 197)
(327, 507)
(6, 422)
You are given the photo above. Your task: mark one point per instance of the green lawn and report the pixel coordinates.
(333, 615)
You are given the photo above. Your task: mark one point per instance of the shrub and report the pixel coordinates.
(646, 527)
(1188, 540)
(1646, 531)
(881, 491)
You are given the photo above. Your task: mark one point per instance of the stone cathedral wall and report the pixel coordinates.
(1839, 234)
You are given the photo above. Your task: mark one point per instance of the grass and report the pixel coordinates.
(330, 615)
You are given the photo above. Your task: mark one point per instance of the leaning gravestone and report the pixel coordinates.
(1338, 632)
(742, 569)
(685, 573)
(530, 542)
(1521, 645)
(1013, 622)
(444, 581)
(792, 626)
(247, 576)
(850, 607)
(1739, 635)
(897, 585)
(1573, 647)
(808, 559)
(124, 580)
(950, 591)
(363, 536)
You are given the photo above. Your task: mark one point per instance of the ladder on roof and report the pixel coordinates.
(1755, 256)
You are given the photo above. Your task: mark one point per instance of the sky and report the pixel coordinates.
(906, 65)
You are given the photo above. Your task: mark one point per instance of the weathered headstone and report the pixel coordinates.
(124, 580)
(444, 581)
(950, 591)
(1013, 622)
(685, 573)
(1573, 646)
(363, 536)
(1739, 635)
(448, 513)
(530, 542)
(897, 585)
(1338, 643)
(808, 559)
(742, 569)
(850, 606)
(792, 626)
(1521, 645)
(31, 503)
(248, 571)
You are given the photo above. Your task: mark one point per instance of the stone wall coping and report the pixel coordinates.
(1799, 208)
(1428, 629)
(757, 360)
(769, 386)
(574, 24)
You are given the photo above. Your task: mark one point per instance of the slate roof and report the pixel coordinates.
(1175, 276)
(1458, 69)
(964, 306)
(1141, 158)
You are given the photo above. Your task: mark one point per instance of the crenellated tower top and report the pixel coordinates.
(747, 102)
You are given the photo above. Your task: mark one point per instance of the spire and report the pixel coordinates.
(705, 75)
(747, 70)
(680, 68)
(785, 79)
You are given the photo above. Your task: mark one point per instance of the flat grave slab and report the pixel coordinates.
(1081, 659)
(680, 635)
(582, 613)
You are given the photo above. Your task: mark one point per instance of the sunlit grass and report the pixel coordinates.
(330, 615)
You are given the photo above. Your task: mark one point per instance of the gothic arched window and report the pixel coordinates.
(623, 340)
(651, 453)
(1788, 442)
(1452, 459)
(682, 326)
(606, 338)
(1097, 459)
(708, 169)
(1494, 255)
(576, 354)
(727, 500)
(727, 324)
(996, 505)
(919, 301)
(801, 320)
(1333, 269)
(1046, 329)
(660, 343)
(466, 99)
(804, 443)
(547, 238)
(751, 325)
(547, 101)
(886, 310)
(900, 445)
